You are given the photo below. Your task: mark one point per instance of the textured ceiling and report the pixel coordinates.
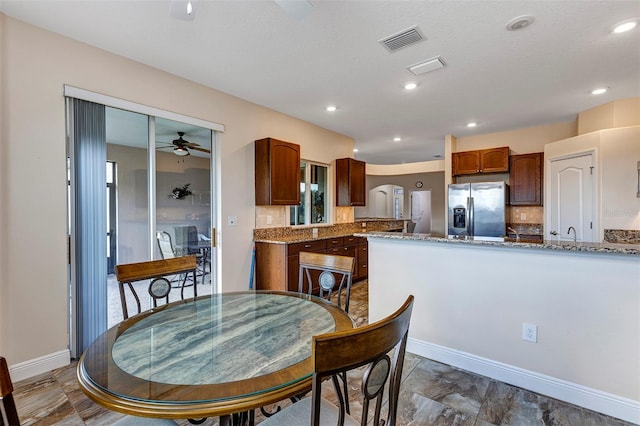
(257, 51)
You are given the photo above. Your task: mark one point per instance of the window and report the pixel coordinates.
(313, 196)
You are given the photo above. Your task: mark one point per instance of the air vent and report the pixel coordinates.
(427, 66)
(402, 39)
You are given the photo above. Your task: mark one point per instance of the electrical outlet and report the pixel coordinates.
(232, 220)
(523, 216)
(269, 219)
(314, 232)
(529, 332)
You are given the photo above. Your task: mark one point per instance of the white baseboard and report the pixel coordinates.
(43, 364)
(592, 399)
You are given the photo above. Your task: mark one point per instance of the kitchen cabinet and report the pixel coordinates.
(362, 259)
(350, 182)
(525, 179)
(277, 265)
(492, 160)
(277, 173)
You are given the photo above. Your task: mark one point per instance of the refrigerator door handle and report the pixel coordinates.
(470, 229)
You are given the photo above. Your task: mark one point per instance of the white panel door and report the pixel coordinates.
(571, 201)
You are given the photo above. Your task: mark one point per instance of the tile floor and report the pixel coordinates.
(431, 394)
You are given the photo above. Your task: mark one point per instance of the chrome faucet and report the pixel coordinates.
(574, 233)
(515, 232)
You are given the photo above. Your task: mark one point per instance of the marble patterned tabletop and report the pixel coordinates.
(211, 356)
(221, 339)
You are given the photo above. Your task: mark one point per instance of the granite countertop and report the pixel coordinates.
(612, 248)
(373, 219)
(291, 239)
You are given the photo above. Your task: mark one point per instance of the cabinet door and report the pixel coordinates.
(525, 179)
(293, 264)
(350, 182)
(494, 160)
(465, 163)
(271, 264)
(358, 183)
(277, 172)
(363, 260)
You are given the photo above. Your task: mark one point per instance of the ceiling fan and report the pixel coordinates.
(181, 147)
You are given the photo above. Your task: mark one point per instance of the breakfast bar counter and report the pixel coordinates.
(602, 248)
(473, 299)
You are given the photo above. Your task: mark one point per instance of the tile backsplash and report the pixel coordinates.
(624, 236)
(527, 214)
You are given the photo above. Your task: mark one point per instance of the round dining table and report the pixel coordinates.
(214, 355)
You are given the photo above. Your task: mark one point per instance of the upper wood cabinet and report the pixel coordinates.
(350, 182)
(277, 172)
(492, 160)
(525, 179)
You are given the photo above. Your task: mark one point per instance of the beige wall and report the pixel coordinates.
(584, 304)
(521, 141)
(433, 181)
(619, 113)
(617, 152)
(35, 64)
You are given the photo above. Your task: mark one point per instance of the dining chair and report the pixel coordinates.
(7, 403)
(156, 271)
(188, 242)
(165, 245)
(319, 271)
(9, 413)
(334, 353)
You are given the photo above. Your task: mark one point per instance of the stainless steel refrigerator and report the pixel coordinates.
(478, 210)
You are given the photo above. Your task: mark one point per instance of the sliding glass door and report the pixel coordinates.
(158, 180)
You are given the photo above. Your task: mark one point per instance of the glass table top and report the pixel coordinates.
(214, 355)
(221, 339)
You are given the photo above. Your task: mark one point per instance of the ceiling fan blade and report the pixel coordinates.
(197, 148)
(190, 144)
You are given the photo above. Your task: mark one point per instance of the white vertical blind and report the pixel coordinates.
(90, 156)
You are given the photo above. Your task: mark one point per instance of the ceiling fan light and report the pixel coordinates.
(180, 151)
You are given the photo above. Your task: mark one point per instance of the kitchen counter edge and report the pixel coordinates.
(295, 239)
(606, 248)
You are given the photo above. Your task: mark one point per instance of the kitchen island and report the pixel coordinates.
(473, 297)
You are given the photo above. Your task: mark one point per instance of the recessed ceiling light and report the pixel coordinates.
(599, 91)
(331, 108)
(520, 22)
(355, 149)
(624, 26)
(411, 85)
(472, 124)
(397, 139)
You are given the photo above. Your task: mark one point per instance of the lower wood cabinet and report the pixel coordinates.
(277, 265)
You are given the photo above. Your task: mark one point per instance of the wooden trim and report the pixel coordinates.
(144, 270)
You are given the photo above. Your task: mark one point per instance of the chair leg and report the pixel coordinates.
(346, 391)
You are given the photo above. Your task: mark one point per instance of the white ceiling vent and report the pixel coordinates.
(402, 39)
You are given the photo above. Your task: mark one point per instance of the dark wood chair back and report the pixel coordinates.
(156, 271)
(336, 353)
(321, 272)
(7, 404)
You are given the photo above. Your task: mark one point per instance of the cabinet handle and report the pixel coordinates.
(307, 246)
